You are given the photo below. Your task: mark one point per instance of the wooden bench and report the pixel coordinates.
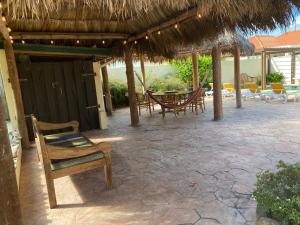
(68, 153)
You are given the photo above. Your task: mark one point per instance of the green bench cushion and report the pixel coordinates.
(74, 141)
(65, 163)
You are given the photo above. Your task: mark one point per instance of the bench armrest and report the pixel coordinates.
(56, 126)
(56, 152)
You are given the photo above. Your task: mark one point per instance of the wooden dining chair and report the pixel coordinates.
(143, 101)
(67, 153)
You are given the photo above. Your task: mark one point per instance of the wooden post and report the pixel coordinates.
(195, 71)
(131, 87)
(237, 76)
(216, 60)
(10, 212)
(263, 70)
(143, 74)
(15, 83)
(293, 67)
(99, 94)
(108, 102)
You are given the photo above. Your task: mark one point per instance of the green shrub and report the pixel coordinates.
(118, 91)
(275, 77)
(278, 194)
(167, 84)
(184, 68)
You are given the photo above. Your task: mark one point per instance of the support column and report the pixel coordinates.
(144, 87)
(195, 71)
(99, 94)
(15, 83)
(263, 70)
(293, 67)
(108, 102)
(237, 76)
(10, 212)
(217, 87)
(131, 88)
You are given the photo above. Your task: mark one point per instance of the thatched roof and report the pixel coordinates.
(180, 22)
(226, 41)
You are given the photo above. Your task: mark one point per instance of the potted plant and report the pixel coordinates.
(275, 77)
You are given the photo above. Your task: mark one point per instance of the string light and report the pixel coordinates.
(3, 19)
(12, 41)
(52, 42)
(0, 5)
(23, 42)
(176, 25)
(147, 37)
(77, 41)
(11, 37)
(124, 42)
(135, 42)
(158, 32)
(199, 15)
(103, 42)
(8, 28)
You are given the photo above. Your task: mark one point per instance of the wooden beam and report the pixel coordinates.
(67, 36)
(108, 102)
(192, 13)
(195, 70)
(277, 50)
(39, 49)
(131, 87)
(15, 83)
(237, 76)
(293, 67)
(144, 86)
(10, 212)
(263, 70)
(217, 87)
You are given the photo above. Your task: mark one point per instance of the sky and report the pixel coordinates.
(293, 26)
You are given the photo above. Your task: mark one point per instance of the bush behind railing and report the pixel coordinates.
(118, 91)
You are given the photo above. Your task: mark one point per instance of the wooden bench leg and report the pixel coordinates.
(51, 192)
(108, 176)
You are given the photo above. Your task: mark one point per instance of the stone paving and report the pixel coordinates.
(188, 170)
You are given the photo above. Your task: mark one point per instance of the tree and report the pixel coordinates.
(184, 68)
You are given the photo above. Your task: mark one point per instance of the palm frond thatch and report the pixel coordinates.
(137, 16)
(226, 41)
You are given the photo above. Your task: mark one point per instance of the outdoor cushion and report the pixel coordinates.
(64, 163)
(74, 141)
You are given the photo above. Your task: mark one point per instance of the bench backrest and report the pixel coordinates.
(39, 127)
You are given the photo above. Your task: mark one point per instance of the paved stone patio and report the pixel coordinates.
(186, 170)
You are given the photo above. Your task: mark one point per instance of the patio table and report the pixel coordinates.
(172, 97)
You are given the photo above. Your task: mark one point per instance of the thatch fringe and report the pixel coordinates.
(137, 16)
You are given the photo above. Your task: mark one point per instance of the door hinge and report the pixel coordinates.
(88, 74)
(92, 107)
